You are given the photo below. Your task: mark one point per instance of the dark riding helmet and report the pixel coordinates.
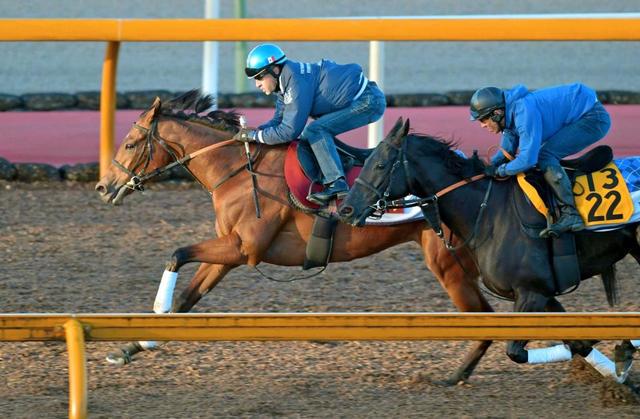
(484, 101)
(262, 58)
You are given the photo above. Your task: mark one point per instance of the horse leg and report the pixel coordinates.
(199, 286)
(526, 301)
(206, 278)
(462, 287)
(226, 248)
(583, 348)
(623, 356)
(562, 352)
(623, 353)
(557, 353)
(467, 297)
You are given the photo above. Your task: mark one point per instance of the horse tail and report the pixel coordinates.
(610, 283)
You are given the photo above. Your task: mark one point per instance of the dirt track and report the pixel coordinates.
(65, 251)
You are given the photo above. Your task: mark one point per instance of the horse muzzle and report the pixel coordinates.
(111, 195)
(348, 215)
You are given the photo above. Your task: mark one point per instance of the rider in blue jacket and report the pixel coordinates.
(338, 98)
(545, 126)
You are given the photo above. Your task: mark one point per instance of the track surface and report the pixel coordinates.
(65, 251)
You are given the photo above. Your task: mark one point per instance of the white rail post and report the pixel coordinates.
(210, 54)
(376, 73)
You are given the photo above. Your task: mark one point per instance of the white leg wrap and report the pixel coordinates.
(148, 344)
(163, 302)
(552, 354)
(635, 343)
(604, 365)
(164, 297)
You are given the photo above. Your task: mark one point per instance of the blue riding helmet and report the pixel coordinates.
(262, 58)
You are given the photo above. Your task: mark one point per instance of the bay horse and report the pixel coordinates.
(165, 134)
(512, 263)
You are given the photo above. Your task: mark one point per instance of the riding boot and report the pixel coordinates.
(570, 219)
(337, 189)
(335, 186)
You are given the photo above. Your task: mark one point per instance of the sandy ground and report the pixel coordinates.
(65, 251)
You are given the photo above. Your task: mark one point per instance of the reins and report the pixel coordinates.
(137, 180)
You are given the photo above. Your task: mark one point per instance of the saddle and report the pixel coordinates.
(585, 173)
(303, 176)
(531, 189)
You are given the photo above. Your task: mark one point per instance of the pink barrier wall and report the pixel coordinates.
(68, 137)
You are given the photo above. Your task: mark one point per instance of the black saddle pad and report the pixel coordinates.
(591, 161)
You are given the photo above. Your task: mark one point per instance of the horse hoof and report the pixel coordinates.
(623, 358)
(118, 359)
(450, 382)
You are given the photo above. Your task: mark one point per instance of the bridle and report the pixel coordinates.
(383, 203)
(137, 180)
(428, 205)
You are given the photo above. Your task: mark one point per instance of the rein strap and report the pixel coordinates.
(459, 184)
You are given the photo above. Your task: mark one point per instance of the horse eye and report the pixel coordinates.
(130, 146)
(380, 165)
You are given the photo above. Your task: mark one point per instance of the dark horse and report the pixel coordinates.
(512, 264)
(166, 134)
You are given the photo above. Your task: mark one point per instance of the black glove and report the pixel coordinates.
(491, 170)
(245, 135)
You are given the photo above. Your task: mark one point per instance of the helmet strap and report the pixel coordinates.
(274, 75)
(498, 118)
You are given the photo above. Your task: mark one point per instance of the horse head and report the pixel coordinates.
(160, 139)
(382, 178)
(134, 156)
(404, 164)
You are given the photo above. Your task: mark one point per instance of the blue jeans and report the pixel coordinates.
(320, 133)
(577, 136)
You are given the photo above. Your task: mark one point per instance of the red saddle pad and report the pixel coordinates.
(298, 182)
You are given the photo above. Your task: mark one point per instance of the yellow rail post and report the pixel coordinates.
(108, 106)
(74, 335)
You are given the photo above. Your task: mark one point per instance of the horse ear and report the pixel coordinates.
(393, 133)
(155, 107)
(153, 111)
(405, 128)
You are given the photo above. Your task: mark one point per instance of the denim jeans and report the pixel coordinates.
(320, 133)
(577, 136)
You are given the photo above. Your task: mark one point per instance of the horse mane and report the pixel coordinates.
(189, 106)
(446, 150)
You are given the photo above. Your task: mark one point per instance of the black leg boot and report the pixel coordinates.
(570, 219)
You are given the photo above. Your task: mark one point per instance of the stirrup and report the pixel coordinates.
(553, 231)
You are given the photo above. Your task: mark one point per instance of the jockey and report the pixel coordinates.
(545, 126)
(338, 98)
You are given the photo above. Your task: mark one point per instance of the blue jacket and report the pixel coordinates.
(531, 118)
(309, 90)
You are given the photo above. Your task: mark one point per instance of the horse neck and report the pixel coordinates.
(192, 137)
(214, 166)
(459, 207)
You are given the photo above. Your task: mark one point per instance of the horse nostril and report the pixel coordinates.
(346, 210)
(101, 189)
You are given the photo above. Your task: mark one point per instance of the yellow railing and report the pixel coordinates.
(606, 27)
(76, 328)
